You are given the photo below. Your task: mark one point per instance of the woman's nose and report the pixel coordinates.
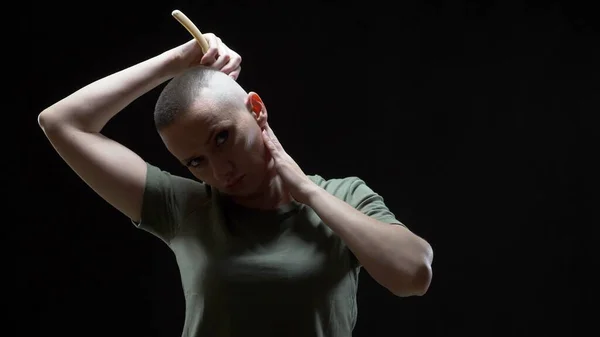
(222, 170)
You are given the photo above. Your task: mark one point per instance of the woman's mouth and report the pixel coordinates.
(235, 183)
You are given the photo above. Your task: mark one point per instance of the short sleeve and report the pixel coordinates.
(167, 200)
(359, 195)
(364, 199)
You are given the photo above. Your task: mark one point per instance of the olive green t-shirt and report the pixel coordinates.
(249, 272)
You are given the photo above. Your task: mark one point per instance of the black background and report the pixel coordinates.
(475, 120)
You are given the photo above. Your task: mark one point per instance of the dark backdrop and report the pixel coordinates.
(475, 120)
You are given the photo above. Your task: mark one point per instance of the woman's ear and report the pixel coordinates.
(257, 108)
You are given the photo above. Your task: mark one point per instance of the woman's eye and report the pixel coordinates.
(195, 162)
(221, 137)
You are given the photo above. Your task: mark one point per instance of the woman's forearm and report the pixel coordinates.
(91, 107)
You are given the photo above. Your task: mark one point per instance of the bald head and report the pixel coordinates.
(198, 86)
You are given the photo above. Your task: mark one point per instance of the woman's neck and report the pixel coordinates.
(270, 195)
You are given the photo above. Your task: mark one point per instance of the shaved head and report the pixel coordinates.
(213, 127)
(200, 87)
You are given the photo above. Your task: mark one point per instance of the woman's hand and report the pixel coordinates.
(219, 56)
